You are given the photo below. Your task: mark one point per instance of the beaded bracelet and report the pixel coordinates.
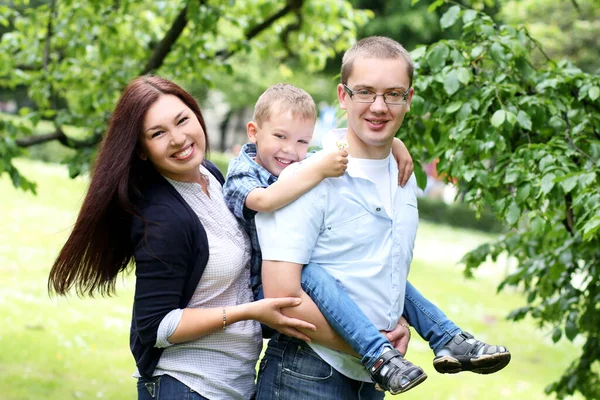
(224, 319)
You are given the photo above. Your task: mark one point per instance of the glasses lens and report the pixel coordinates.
(395, 97)
(363, 96)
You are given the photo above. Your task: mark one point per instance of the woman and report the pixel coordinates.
(153, 198)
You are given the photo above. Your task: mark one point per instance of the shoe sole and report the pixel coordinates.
(484, 364)
(411, 385)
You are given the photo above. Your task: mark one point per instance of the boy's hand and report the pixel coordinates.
(404, 160)
(333, 164)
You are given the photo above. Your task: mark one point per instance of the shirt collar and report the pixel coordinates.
(248, 153)
(329, 143)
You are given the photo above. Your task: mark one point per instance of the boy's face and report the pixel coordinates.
(280, 141)
(372, 126)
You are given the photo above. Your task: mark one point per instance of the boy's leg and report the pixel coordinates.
(428, 320)
(386, 365)
(455, 350)
(344, 316)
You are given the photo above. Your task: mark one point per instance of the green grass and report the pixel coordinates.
(71, 348)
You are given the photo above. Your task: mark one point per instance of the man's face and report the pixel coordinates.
(372, 126)
(281, 141)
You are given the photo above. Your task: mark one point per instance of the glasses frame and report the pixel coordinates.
(351, 94)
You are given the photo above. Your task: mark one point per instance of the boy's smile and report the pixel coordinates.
(281, 140)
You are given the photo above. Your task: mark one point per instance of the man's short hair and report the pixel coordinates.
(283, 98)
(375, 47)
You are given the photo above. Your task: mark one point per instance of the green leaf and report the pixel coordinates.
(469, 15)
(511, 118)
(418, 52)
(523, 193)
(437, 57)
(454, 107)
(451, 83)
(497, 52)
(594, 92)
(449, 18)
(569, 183)
(417, 105)
(511, 176)
(548, 183)
(435, 5)
(556, 334)
(498, 118)
(513, 214)
(476, 51)
(591, 228)
(464, 76)
(524, 120)
(420, 174)
(571, 330)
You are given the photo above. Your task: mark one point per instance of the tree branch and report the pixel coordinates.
(156, 60)
(51, 17)
(164, 47)
(62, 138)
(289, 7)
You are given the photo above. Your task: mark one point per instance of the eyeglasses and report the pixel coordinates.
(393, 97)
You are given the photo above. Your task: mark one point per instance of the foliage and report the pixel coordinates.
(75, 57)
(459, 215)
(564, 30)
(525, 141)
(78, 348)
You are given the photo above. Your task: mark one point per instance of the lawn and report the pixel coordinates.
(72, 348)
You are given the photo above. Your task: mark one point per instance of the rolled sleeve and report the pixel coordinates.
(290, 233)
(167, 327)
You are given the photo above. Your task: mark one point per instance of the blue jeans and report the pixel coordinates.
(428, 320)
(348, 320)
(291, 370)
(165, 387)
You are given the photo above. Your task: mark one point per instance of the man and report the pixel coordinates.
(361, 228)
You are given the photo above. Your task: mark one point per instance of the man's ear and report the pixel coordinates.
(341, 94)
(251, 130)
(409, 99)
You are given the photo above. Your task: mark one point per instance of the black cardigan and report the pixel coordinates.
(171, 252)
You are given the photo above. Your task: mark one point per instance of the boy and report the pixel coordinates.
(279, 134)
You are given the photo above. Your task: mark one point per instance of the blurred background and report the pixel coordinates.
(503, 129)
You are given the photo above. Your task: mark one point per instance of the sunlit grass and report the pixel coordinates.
(71, 348)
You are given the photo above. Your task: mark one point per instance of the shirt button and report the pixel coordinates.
(378, 209)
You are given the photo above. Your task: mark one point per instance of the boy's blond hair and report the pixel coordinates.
(282, 98)
(375, 47)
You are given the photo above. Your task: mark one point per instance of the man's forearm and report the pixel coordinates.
(282, 279)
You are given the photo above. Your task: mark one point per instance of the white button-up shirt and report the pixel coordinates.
(342, 225)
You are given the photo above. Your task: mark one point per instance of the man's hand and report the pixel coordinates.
(399, 336)
(404, 160)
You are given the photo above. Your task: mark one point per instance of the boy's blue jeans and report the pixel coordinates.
(348, 320)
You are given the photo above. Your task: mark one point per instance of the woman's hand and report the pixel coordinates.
(404, 160)
(268, 312)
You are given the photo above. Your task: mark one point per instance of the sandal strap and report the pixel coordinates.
(465, 348)
(394, 360)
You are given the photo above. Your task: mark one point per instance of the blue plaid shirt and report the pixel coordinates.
(243, 176)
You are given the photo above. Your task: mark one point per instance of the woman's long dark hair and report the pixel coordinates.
(98, 247)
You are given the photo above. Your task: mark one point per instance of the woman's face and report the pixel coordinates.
(173, 140)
